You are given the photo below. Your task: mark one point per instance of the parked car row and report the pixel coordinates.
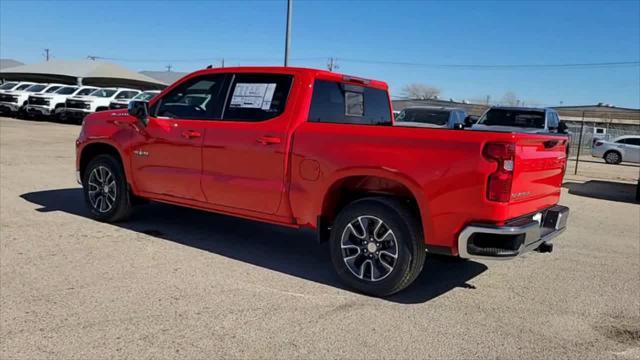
(64, 102)
(496, 118)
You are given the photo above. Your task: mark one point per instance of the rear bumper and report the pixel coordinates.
(487, 241)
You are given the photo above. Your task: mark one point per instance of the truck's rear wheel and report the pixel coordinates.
(377, 246)
(105, 189)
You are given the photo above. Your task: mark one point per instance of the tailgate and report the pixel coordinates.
(538, 171)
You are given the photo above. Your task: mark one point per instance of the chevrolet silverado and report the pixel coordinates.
(315, 149)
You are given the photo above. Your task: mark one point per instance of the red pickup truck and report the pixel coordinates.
(315, 149)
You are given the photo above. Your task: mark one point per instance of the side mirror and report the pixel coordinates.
(563, 128)
(139, 110)
(470, 120)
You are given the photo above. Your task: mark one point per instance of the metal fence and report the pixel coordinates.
(587, 127)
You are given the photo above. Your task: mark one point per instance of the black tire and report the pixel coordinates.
(56, 114)
(612, 157)
(410, 249)
(120, 198)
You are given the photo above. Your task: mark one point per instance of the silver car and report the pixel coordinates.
(623, 148)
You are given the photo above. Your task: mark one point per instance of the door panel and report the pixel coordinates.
(169, 161)
(244, 155)
(239, 170)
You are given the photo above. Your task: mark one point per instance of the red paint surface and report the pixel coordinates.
(262, 171)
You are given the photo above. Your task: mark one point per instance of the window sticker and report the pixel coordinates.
(354, 104)
(253, 95)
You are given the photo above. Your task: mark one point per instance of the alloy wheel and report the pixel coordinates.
(102, 189)
(369, 248)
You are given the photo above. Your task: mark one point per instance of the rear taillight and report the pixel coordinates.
(499, 184)
(598, 143)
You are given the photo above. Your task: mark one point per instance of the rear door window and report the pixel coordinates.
(335, 102)
(633, 141)
(257, 97)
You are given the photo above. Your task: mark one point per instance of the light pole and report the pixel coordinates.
(287, 43)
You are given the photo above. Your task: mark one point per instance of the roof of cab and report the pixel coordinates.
(521, 108)
(316, 73)
(443, 108)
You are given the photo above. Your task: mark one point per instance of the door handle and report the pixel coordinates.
(269, 140)
(190, 134)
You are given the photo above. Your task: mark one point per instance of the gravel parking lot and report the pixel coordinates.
(174, 282)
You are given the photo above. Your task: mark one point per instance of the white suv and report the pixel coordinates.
(13, 101)
(14, 86)
(77, 107)
(52, 104)
(124, 103)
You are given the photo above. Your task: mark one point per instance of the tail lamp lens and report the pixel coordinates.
(499, 182)
(599, 143)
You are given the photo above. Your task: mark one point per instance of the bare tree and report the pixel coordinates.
(420, 91)
(510, 99)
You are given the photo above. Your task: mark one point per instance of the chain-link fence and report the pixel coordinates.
(586, 128)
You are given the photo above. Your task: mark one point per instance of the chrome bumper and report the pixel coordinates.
(486, 241)
(38, 109)
(10, 106)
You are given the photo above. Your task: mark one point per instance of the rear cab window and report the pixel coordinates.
(515, 118)
(425, 116)
(342, 103)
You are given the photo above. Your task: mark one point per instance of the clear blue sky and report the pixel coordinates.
(148, 35)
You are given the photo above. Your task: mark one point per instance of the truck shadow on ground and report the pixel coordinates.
(288, 251)
(604, 190)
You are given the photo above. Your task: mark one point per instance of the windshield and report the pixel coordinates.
(515, 118)
(67, 90)
(8, 85)
(23, 87)
(86, 91)
(52, 89)
(145, 96)
(103, 93)
(425, 116)
(35, 88)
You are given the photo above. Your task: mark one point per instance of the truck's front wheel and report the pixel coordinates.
(105, 189)
(377, 246)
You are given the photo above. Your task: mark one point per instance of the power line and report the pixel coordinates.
(332, 60)
(496, 66)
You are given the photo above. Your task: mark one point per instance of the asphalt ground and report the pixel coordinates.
(175, 282)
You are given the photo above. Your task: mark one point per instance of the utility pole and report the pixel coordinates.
(46, 54)
(287, 43)
(169, 67)
(222, 62)
(332, 64)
